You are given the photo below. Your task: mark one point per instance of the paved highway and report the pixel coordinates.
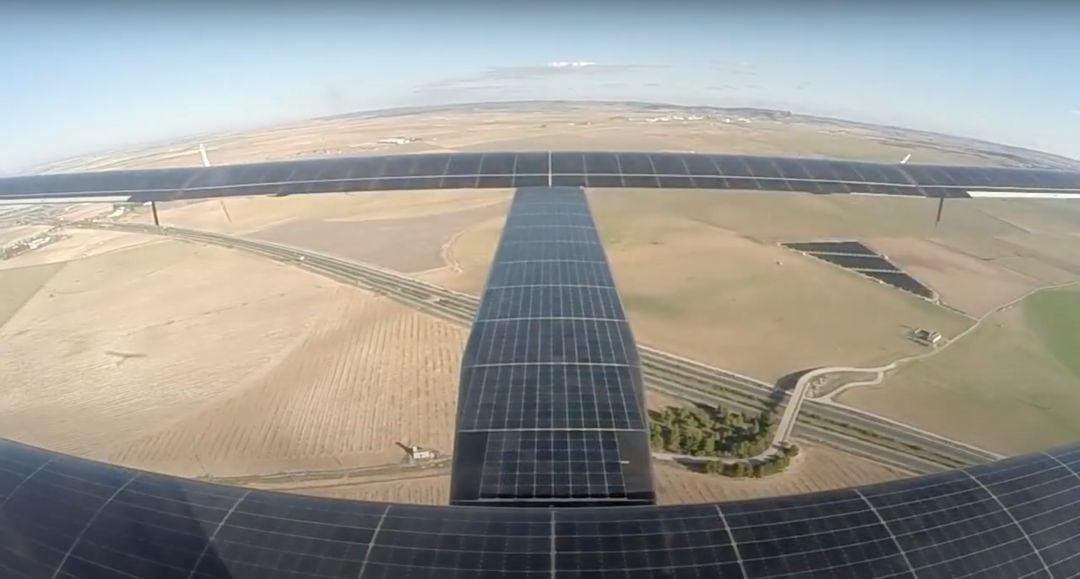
(859, 432)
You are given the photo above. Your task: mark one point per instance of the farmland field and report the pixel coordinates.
(193, 373)
(1010, 386)
(1055, 317)
(815, 469)
(17, 286)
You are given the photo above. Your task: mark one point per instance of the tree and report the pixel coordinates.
(656, 437)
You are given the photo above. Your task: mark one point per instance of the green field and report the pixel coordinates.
(18, 285)
(1012, 385)
(1055, 317)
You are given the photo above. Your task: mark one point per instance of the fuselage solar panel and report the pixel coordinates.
(551, 407)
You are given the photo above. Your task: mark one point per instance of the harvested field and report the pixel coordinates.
(824, 385)
(972, 285)
(369, 374)
(428, 490)
(183, 374)
(406, 245)
(79, 244)
(243, 215)
(817, 468)
(119, 344)
(19, 285)
(17, 232)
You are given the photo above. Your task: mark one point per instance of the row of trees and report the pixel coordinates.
(756, 469)
(715, 432)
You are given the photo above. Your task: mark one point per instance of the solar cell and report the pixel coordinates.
(902, 281)
(791, 169)
(668, 164)
(635, 164)
(415, 541)
(606, 163)
(553, 396)
(838, 535)
(582, 273)
(846, 247)
(945, 523)
(699, 165)
(1016, 518)
(534, 169)
(568, 163)
(853, 262)
(570, 180)
(685, 541)
(550, 301)
(550, 375)
(464, 164)
(819, 169)
(530, 180)
(532, 163)
(604, 181)
(498, 164)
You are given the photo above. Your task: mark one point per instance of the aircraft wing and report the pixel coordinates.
(546, 168)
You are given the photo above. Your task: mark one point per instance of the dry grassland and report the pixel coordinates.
(161, 357)
(426, 490)
(18, 285)
(243, 215)
(78, 244)
(369, 374)
(406, 245)
(17, 232)
(406, 231)
(117, 345)
(964, 282)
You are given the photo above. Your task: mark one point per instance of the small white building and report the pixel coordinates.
(927, 337)
(417, 453)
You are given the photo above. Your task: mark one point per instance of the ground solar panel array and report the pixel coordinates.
(544, 168)
(855, 256)
(66, 517)
(551, 405)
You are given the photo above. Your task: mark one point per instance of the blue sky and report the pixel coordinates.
(77, 78)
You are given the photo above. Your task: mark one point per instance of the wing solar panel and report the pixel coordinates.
(418, 541)
(551, 405)
(81, 519)
(952, 526)
(538, 169)
(837, 535)
(684, 541)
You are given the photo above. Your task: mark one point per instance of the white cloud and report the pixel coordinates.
(571, 64)
(534, 72)
(1075, 112)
